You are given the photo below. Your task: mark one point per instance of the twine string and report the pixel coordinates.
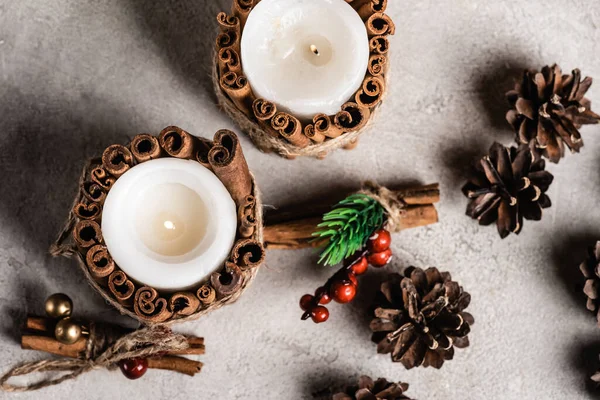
(99, 354)
(62, 246)
(393, 205)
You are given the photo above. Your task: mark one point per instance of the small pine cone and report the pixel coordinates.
(549, 108)
(507, 186)
(420, 318)
(590, 269)
(368, 389)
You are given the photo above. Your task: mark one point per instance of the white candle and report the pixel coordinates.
(169, 223)
(306, 56)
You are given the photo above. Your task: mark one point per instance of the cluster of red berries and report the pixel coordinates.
(342, 286)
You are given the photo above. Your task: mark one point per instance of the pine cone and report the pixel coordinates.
(549, 109)
(590, 269)
(507, 186)
(419, 319)
(368, 389)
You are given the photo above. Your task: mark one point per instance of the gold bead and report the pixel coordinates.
(59, 305)
(67, 331)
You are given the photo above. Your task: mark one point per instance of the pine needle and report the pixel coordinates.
(348, 226)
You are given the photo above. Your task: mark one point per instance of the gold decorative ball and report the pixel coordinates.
(59, 305)
(67, 331)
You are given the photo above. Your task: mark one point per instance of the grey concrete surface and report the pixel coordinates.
(77, 75)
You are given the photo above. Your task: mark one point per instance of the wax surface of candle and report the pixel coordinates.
(173, 220)
(307, 56)
(169, 223)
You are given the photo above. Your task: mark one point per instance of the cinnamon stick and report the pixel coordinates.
(228, 281)
(294, 230)
(145, 147)
(371, 7)
(290, 128)
(421, 215)
(229, 39)
(229, 60)
(184, 303)
(99, 262)
(325, 126)
(352, 117)
(53, 346)
(377, 64)
(229, 164)
(102, 178)
(264, 111)
(379, 44)
(117, 159)
(93, 192)
(292, 234)
(39, 324)
(371, 92)
(427, 194)
(87, 210)
(247, 217)
(196, 347)
(206, 294)
(177, 364)
(248, 253)
(356, 4)
(380, 24)
(179, 143)
(150, 306)
(241, 9)
(87, 233)
(239, 91)
(228, 22)
(121, 287)
(309, 132)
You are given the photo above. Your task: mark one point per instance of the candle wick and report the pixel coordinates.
(314, 49)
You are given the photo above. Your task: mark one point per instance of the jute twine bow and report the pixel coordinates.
(99, 354)
(393, 205)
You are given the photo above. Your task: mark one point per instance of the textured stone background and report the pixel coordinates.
(77, 75)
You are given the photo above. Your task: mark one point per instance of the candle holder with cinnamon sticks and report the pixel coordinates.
(270, 127)
(82, 236)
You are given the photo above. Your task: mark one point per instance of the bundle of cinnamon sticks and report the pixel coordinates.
(39, 335)
(293, 228)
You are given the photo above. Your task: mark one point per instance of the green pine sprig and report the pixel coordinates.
(348, 226)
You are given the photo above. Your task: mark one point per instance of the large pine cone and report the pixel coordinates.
(420, 318)
(368, 389)
(549, 108)
(591, 271)
(507, 186)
